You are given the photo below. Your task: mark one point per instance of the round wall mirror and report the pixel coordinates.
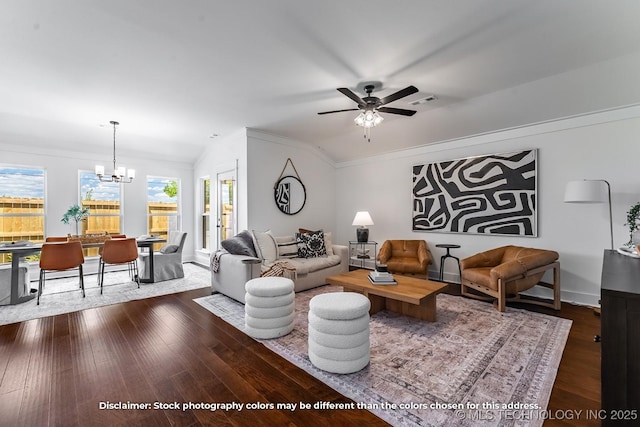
(290, 195)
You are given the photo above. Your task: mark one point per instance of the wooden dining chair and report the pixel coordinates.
(119, 251)
(60, 256)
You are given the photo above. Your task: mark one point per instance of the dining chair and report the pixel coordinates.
(60, 256)
(167, 262)
(52, 239)
(119, 251)
(113, 236)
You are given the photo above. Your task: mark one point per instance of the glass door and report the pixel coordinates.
(227, 224)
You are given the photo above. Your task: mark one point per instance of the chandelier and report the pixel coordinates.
(119, 174)
(368, 118)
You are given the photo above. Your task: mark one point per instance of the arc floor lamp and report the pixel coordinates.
(589, 191)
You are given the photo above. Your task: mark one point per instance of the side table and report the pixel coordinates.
(444, 257)
(361, 256)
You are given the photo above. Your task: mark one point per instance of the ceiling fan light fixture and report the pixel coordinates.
(368, 119)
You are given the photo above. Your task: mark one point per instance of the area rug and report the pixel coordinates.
(64, 296)
(474, 366)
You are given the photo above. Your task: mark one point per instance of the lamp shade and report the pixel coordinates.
(362, 219)
(590, 191)
(584, 191)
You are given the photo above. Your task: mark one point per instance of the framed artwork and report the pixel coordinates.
(493, 195)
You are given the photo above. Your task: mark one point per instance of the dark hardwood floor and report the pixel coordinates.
(58, 370)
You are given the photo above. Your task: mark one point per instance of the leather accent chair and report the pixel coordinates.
(504, 272)
(119, 251)
(407, 257)
(60, 256)
(53, 239)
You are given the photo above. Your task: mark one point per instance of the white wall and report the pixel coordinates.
(597, 146)
(61, 169)
(224, 154)
(267, 157)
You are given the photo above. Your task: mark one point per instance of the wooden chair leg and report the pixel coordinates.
(556, 287)
(502, 296)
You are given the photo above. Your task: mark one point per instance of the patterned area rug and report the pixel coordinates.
(451, 372)
(64, 296)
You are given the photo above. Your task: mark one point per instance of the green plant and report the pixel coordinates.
(75, 213)
(633, 215)
(171, 189)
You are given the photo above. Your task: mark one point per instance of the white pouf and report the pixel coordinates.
(339, 332)
(269, 307)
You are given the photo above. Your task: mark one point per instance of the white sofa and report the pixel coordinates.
(234, 270)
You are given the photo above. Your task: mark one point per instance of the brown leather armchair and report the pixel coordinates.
(504, 272)
(409, 257)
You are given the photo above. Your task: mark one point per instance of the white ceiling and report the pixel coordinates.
(175, 72)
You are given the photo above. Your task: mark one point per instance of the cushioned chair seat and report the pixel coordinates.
(411, 257)
(504, 272)
(166, 266)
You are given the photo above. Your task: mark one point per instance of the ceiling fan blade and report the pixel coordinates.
(339, 111)
(399, 94)
(400, 111)
(353, 96)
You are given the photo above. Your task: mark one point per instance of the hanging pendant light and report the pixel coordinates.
(119, 174)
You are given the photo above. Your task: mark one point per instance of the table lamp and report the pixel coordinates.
(362, 219)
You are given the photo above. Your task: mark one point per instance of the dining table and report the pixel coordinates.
(20, 250)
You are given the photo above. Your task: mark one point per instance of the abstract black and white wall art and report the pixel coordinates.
(494, 195)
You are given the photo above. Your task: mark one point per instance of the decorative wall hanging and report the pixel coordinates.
(493, 195)
(289, 191)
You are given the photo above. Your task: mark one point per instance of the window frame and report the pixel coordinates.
(177, 214)
(43, 214)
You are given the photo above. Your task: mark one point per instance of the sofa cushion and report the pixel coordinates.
(265, 245)
(311, 245)
(309, 265)
(240, 244)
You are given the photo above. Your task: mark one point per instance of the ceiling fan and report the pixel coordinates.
(370, 106)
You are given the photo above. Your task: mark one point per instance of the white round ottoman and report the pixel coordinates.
(269, 307)
(339, 332)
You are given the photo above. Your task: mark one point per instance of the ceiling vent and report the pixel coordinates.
(425, 100)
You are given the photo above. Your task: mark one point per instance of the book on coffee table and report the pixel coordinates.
(381, 278)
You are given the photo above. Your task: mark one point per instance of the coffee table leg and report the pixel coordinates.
(378, 303)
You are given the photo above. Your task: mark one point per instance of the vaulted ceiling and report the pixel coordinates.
(176, 73)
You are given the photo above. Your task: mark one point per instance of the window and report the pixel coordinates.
(21, 205)
(205, 238)
(162, 205)
(103, 199)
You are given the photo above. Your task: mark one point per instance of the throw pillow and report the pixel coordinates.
(265, 245)
(311, 245)
(169, 249)
(328, 244)
(240, 244)
(287, 247)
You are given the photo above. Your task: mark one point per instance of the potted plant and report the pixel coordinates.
(77, 214)
(633, 217)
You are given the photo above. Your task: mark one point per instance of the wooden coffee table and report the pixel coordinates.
(411, 296)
